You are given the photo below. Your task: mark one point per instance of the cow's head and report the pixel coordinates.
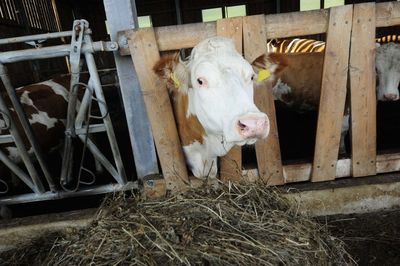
(388, 71)
(219, 85)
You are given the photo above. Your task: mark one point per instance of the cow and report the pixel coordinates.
(296, 79)
(388, 71)
(212, 99)
(45, 105)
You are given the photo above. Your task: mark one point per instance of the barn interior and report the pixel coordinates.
(297, 130)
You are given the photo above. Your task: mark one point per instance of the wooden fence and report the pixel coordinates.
(350, 50)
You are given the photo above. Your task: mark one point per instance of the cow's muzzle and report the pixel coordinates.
(253, 126)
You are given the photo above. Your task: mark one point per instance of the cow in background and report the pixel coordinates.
(388, 71)
(212, 98)
(297, 77)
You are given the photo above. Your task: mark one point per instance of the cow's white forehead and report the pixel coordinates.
(220, 53)
(388, 55)
(215, 46)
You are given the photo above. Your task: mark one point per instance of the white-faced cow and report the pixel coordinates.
(212, 95)
(388, 71)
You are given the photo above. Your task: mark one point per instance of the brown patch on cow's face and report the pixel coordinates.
(189, 128)
(173, 72)
(274, 62)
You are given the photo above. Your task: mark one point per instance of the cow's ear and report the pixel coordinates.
(269, 64)
(171, 70)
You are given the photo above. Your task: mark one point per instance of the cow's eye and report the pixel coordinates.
(252, 77)
(200, 81)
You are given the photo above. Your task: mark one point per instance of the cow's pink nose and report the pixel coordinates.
(253, 126)
(391, 97)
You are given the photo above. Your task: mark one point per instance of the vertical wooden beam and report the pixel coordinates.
(268, 152)
(144, 52)
(362, 90)
(231, 164)
(333, 93)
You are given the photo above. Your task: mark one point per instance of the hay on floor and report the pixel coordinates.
(229, 225)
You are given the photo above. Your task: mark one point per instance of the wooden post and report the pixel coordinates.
(362, 90)
(268, 152)
(145, 54)
(333, 93)
(231, 163)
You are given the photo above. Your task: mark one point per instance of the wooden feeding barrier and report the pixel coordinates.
(350, 50)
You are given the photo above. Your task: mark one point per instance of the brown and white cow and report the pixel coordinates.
(45, 105)
(296, 81)
(212, 96)
(296, 78)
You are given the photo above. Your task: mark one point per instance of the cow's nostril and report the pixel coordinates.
(241, 125)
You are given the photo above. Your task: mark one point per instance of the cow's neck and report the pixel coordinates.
(189, 128)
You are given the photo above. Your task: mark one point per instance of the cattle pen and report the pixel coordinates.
(329, 183)
(350, 54)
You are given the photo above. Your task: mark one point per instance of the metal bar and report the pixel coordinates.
(75, 56)
(38, 186)
(138, 123)
(95, 128)
(102, 159)
(103, 189)
(26, 125)
(54, 51)
(94, 76)
(44, 36)
(16, 170)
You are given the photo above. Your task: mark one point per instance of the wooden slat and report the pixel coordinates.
(385, 163)
(296, 23)
(279, 26)
(145, 54)
(333, 93)
(362, 90)
(387, 14)
(231, 164)
(268, 152)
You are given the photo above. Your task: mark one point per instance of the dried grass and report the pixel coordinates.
(229, 225)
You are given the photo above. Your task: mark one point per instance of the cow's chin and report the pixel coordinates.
(245, 142)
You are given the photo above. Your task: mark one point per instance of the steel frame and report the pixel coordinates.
(81, 44)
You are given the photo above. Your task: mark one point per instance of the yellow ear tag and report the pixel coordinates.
(263, 74)
(176, 81)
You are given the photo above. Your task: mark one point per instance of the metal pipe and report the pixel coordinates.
(18, 171)
(26, 125)
(74, 56)
(102, 159)
(94, 76)
(103, 189)
(54, 51)
(37, 37)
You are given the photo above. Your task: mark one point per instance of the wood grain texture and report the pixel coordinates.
(333, 93)
(387, 14)
(231, 163)
(268, 153)
(296, 23)
(145, 54)
(362, 90)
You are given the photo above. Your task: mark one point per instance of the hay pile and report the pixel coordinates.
(230, 225)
